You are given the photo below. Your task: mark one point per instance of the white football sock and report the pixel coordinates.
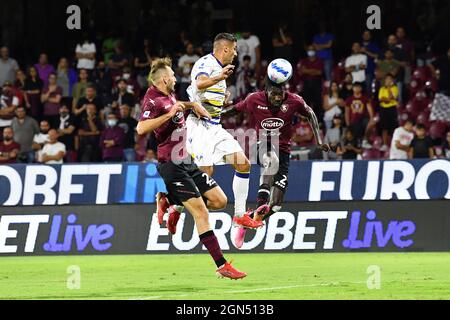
(241, 184)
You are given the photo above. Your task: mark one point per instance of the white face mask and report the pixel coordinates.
(112, 123)
(311, 53)
(126, 76)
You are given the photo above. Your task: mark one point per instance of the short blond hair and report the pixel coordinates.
(158, 65)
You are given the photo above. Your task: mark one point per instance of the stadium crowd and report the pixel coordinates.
(382, 101)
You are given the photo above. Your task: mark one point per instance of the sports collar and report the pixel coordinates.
(220, 63)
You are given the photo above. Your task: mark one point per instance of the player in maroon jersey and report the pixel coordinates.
(186, 184)
(272, 111)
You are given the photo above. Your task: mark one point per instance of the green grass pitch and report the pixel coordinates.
(190, 277)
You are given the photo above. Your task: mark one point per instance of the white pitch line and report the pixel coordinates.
(244, 291)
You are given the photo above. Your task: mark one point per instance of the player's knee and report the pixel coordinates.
(218, 202)
(245, 166)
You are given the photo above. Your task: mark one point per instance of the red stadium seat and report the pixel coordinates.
(437, 130)
(422, 74)
(414, 108)
(423, 118)
(371, 154)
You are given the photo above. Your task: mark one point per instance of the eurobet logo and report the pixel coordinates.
(64, 236)
(308, 230)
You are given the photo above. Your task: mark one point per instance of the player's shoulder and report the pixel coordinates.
(152, 98)
(255, 96)
(295, 98)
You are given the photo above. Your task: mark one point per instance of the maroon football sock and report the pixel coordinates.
(209, 240)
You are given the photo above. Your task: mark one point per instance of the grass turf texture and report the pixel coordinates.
(190, 277)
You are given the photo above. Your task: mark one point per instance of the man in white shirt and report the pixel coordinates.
(86, 55)
(41, 139)
(185, 64)
(8, 104)
(249, 45)
(356, 64)
(401, 141)
(53, 151)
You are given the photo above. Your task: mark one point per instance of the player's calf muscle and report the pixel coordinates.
(217, 200)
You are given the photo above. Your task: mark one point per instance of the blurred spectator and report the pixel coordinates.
(132, 85)
(53, 151)
(372, 50)
(108, 46)
(8, 67)
(311, 70)
(8, 104)
(401, 141)
(67, 77)
(389, 65)
(245, 78)
(303, 135)
(19, 86)
(103, 82)
(359, 115)
(79, 88)
(112, 141)
(421, 145)
(128, 124)
(66, 131)
(446, 146)
(150, 157)
(405, 44)
(51, 98)
(346, 90)
(40, 139)
(185, 64)
(388, 97)
(9, 149)
(357, 64)
(121, 97)
(350, 147)
(401, 59)
(89, 135)
(282, 42)
(33, 90)
(334, 136)
(142, 63)
(25, 128)
(44, 69)
(441, 71)
(249, 45)
(79, 111)
(119, 59)
(332, 104)
(85, 54)
(323, 43)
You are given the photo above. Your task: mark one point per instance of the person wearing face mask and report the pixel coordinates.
(9, 149)
(132, 84)
(66, 131)
(311, 71)
(112, 140)
(24, 128)
(40, 139)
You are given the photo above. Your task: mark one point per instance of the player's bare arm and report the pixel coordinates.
(200, 111)
(314, 123)
(204, 82)
(150, 125)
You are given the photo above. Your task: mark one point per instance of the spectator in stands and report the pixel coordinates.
(388, 98)
(421, 145)
(79, 88)
(53, 151)
(19, 86)
(359, 114)
(389, 65)
(8, 67)
(401, 58)
(9, 149)
(90, 97)
(128, 124)
(41, 139)
(8, 104)
(103, 82)
(282, 42)
(405, 44)
(185, 64)
(346, 88)
(357, 64)
(372, 51)
(150, 157)
(66, 77)
(44, 69)
(132, 85)
(85, 54)
(332, 104)
(142, 63)
(33, 90)
(109, 44)
(119, 59)
(311, 70)
(401, 141)
(323, 44)
(112, 141)
(51, 98)
(24, 128)
(441, 70)
(446, 146)
(66, 131)
(121, 97)
(89, 135)
(249, 45)
(303, 135)
(245, 78)
(350, 147)
(334, 136)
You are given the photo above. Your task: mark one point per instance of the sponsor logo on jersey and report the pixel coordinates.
(272, 124)
(178, 118)
(262, 108)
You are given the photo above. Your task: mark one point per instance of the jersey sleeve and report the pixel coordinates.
(201, 67)
(151, 109)
(301, 107)
(244, 105)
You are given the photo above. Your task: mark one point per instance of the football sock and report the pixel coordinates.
(263, 195)
(241, 183)
(209, 240)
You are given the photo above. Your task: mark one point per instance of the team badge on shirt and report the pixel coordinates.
(284, 108)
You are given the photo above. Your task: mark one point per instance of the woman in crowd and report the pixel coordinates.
(32, 89)
(332, 104)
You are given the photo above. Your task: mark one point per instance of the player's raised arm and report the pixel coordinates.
(204, 81)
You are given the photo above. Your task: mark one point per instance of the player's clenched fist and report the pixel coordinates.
(227, 71)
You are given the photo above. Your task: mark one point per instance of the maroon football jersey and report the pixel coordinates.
(171, 136)
(269, 121)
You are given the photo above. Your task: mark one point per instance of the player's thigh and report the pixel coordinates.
(239, 161)
(198, 210)
(228, 150)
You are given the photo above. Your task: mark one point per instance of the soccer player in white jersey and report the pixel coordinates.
(207, 142)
